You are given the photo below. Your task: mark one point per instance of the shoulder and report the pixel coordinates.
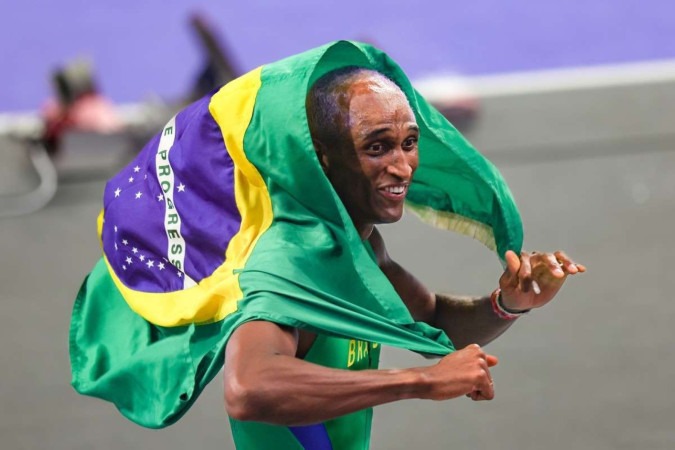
(262, 337)
(269, 337)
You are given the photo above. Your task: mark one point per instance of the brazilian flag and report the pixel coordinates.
(225, 217)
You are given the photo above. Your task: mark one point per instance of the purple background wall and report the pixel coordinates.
(145, 47)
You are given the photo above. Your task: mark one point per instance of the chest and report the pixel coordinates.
(340, 353)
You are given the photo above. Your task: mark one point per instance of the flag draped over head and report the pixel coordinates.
(226, 216)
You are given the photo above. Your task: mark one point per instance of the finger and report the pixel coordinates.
(554, 265)
(474, 347)
(488, 375)
(525, 272)
(474, 395)
(567, 263)
(491, 360)
(485, 385)
(478, 395)
(487, 392)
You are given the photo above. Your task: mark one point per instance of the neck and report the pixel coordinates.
(365, 230)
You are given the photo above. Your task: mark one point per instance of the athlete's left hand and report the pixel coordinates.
(533, 279)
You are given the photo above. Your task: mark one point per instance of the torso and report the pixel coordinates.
(349, 432)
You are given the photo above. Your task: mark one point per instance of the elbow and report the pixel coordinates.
(245, 400)
(239, 400)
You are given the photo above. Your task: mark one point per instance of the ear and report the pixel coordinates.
(321, 154)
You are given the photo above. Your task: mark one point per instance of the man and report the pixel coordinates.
(244, 233)
(366, 137)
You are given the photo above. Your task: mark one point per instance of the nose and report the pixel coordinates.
(402, 164)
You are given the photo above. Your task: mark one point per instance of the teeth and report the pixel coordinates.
(395, 189)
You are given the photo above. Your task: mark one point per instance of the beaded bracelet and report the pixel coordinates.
(496, 300)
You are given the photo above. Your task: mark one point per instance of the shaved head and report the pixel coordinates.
(328, 101)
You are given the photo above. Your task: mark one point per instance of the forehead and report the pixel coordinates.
(375, 87)
(376, 101)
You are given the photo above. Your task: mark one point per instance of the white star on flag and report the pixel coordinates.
(117, 192)
(150, 263)
(135, 250)
(124, 267)
(115, 245)
(125, 242)
(160, 197)
(131, 179)
(142, 257)
(161, 266)
(115, 228)
(129, 260)
(181, 187)
(138, 194)
(179, 274)
(136, 169)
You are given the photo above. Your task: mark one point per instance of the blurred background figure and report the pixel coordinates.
(77, 105)
(219, 65)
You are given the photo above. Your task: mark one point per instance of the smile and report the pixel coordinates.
(394, 192)
(395, 189)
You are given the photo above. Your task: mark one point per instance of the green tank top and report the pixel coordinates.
(349, 432)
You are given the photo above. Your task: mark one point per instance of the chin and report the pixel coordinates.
(391, 217)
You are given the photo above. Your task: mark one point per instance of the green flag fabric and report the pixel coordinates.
(226, 217)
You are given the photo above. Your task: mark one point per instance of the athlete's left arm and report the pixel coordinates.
(472, 320)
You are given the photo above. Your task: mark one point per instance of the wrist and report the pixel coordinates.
(413, 383)
(502, 311)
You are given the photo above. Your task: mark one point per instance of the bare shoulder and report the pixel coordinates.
(261, 337)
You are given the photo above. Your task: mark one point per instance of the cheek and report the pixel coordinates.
(368, 171)
(414, 160)
(355, 185)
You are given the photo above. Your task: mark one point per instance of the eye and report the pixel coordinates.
(410, 143)
(376, 147)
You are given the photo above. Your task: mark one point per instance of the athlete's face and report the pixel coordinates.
(372, 172)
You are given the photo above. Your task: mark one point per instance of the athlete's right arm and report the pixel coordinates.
(266, 382)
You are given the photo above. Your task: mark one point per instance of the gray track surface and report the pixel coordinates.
(590, 371)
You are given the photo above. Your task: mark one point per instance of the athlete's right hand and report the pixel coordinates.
(464, 372)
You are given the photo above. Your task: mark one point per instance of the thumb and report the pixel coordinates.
(510, 275)
(512, 262)
(491, 360)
